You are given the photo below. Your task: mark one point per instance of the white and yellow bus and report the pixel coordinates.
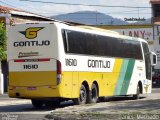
(56, 61)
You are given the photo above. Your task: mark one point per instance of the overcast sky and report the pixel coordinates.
(49, 9)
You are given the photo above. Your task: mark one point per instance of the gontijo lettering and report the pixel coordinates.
(31, 43)
(99, 64)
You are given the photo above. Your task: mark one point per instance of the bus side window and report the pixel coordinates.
(65, 41)
(147, 60)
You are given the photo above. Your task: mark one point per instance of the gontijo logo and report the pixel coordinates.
(31, 32)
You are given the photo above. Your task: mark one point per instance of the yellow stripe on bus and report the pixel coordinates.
(34, 78)
(71, 81)
(110, 79)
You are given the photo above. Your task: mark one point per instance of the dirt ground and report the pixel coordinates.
(114, 109)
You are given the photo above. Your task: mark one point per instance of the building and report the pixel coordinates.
(155, 11)
(156, 29)
(18, 16)
(11, 15)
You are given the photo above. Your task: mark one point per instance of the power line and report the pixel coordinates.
(48, 12)
(51, 12)
(92, 5)
(95, 13)
(26, 7)
(10, 5)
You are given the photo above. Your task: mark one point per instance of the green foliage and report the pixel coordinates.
(3, 55)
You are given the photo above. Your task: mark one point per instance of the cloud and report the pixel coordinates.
(125, 2)
(127, 12)
(51, 9)
(55, 9)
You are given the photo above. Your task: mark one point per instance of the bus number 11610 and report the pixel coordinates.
(35, 66)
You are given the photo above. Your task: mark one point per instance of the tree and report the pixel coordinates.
(3, 55)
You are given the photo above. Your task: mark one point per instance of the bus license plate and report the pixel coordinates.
(31, 88)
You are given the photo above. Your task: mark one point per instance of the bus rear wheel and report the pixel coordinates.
(37, 103)
(94, 94)
(82, 97)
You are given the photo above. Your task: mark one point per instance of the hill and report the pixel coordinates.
(90, 18)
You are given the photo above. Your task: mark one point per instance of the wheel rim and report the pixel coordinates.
(94, 94)
(83, 95)
(138, 91)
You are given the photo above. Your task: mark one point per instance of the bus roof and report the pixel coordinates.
(85, 28)
(97, 29)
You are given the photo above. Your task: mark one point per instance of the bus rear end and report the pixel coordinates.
(32, 58)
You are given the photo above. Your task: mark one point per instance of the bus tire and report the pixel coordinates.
(82, 97)
(37, 103)
(94, 94)
(136, 96)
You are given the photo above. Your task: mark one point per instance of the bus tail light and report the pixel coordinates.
(59, 71)
(12, 88)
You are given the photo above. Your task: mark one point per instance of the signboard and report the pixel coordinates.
(142, 31)
(145, 33)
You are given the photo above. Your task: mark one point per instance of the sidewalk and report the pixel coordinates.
(5, 95)
(5, 100)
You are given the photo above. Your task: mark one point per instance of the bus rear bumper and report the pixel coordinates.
(33, 92)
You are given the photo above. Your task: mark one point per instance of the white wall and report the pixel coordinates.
(157, 45)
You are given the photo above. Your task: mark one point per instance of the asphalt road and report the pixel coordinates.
(21, 109)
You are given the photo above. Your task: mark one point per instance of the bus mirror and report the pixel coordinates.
(153, 59)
